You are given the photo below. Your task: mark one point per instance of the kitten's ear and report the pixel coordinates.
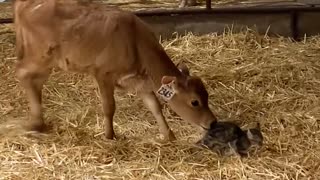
(212, 125)
(233, 145)
(249, 134)
(258, 126)
(199, 143)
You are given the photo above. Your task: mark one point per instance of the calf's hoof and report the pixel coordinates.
(34, 126)
(168, 137)
(110, 135)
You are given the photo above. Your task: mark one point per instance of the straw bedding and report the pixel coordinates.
(249, 78)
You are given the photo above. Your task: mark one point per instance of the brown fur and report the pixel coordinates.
(114, 46)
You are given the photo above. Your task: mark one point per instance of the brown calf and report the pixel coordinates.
(115, 47)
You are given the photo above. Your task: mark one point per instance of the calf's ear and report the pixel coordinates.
(168, 80)
(183, 68)
(174, 83)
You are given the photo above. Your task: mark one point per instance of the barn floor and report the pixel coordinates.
(271, 80)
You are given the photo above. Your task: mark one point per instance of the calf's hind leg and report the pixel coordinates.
(32, 78)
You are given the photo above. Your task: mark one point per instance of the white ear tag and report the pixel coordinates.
(166, 91)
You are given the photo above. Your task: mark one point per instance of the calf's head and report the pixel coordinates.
(190, 98)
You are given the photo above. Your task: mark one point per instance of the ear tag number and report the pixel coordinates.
(166, 91)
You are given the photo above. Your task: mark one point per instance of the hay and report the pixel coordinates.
(271, 80)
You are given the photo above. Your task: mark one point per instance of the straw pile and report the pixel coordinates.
(271, 80)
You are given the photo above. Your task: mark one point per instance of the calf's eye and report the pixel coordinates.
(195, 103)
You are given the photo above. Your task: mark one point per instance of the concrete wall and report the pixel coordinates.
(207, 23)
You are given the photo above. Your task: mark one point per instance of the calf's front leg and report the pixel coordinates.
(152, 103)
(106, 89)
(32, 80)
